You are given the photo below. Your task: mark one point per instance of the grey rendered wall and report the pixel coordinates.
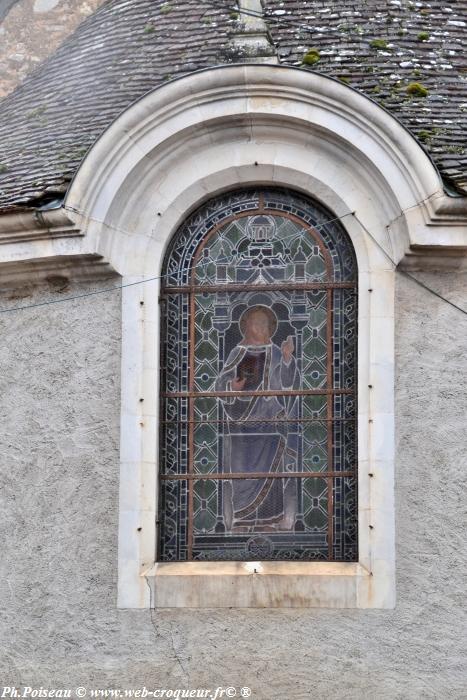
(59, 384)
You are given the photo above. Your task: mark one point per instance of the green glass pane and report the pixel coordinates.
(205, 409)
(207, 350)
(204, 505)
(316, 268)
(205, 448)
(315, 458)
(315, 503)
(204, 488)
(315, 433)
(314, 406)
(206, 434)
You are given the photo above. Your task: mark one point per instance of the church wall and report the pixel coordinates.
(59, 443)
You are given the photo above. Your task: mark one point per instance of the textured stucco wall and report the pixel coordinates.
(59, 387)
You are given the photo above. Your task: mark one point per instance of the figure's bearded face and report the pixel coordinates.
(257, 331)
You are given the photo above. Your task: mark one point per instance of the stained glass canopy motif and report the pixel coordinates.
(258, 407)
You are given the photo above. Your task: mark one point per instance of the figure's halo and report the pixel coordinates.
(272, 318)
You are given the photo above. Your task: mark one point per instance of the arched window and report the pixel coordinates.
(258, 383)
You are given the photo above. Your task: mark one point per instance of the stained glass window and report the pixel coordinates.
(258, 383)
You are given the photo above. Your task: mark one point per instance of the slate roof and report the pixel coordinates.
(128, 47)
(424, 43)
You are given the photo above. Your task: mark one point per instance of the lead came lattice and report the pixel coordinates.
(258, 408)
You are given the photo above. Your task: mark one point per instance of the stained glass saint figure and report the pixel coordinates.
(260, 436)
(258, 379)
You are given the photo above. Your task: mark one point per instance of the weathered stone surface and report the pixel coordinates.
(35, 28)
(59, 444)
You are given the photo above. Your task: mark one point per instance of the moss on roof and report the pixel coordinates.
(375, 46)
(128, 47)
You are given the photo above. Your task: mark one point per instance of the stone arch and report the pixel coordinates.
(172, 150)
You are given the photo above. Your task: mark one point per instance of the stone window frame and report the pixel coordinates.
(176, 147)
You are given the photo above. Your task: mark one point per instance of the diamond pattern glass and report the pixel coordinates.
(258, 376)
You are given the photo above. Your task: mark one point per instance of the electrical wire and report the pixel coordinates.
(261, 15)
(405, 273)
(318, 227)
(117, 287)
(279, 20)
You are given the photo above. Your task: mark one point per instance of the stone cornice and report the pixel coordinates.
(447, 211)
(36, 224)
(272, 124)
(55, 269)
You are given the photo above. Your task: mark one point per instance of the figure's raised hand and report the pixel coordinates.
(238, 384)
(288, 347)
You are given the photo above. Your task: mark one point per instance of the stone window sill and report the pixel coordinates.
(259, 585)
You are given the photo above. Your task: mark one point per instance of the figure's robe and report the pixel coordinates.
(260, 435)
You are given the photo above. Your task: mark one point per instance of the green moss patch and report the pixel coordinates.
(379, 44)
(416, 90)
(311, 57)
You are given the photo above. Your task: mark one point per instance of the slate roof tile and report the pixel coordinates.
(343, 32)
(128, 47)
